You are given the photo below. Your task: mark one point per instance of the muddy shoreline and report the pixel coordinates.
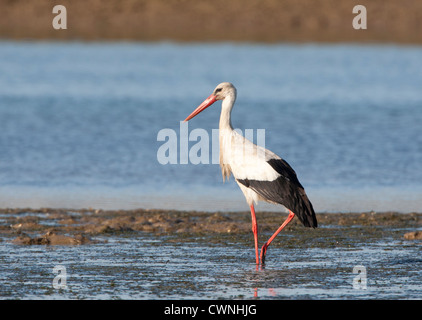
(77, 227)
(161, 254)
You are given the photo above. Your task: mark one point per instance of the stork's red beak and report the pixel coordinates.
(207, 102)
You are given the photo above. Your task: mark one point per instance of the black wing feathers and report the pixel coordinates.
(285, 190)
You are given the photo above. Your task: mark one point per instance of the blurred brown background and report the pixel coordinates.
(214, 20)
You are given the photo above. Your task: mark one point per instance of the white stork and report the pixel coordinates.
(260, 173)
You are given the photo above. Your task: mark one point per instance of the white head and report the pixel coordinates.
(222, 91)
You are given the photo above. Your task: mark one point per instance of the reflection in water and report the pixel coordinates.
(271, 291)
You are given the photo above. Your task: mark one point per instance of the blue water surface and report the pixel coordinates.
(79, 122)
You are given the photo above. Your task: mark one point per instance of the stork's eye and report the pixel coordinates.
(218, 90)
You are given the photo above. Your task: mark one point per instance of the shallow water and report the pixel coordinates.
(301, 263)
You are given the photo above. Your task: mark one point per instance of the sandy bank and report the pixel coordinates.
(216, 20)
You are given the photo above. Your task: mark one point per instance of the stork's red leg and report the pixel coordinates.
(255, 232)
(266, 244)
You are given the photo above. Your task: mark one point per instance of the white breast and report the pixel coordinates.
(246, 160)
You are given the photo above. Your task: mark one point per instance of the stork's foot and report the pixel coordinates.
(263, 253)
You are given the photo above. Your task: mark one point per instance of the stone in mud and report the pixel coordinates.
(51, 238)
(108, 227)
(414, 235)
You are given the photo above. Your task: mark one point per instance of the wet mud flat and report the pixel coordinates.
(161, 254)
